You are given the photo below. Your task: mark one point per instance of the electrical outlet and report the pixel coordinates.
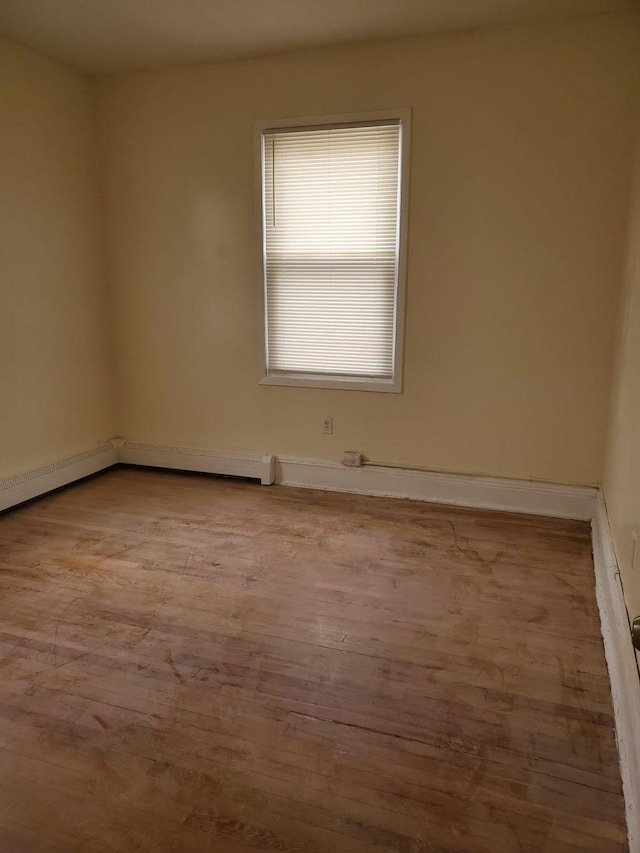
(634, 550)
(327, 426)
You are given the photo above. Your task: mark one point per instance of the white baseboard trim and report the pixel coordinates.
(622, 665)
(251, 465)
(31, 484)
(458, 489)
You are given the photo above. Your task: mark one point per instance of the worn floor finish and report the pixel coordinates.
(198, 664)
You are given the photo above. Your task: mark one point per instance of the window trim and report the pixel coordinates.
(333, 381)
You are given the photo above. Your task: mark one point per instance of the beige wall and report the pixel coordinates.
(55, 385)
(521, 145)
(622, 469)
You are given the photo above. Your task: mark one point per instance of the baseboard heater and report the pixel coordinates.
(251, 465)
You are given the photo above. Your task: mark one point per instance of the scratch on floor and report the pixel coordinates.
(362, 728)
(175, 669)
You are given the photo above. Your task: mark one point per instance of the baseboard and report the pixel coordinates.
(31, 484)
(622, 665)
(251, 465)
(458, 489)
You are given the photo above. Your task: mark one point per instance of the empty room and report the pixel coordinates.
(319, 426)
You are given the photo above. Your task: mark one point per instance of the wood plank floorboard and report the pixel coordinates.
(191, 663)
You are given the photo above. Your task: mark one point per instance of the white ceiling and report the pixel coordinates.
(101, 36)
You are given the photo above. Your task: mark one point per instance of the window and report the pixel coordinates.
(333, 237)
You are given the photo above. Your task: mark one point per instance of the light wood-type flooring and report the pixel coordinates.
(191, 663)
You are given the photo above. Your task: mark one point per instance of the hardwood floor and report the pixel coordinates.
(199, 664)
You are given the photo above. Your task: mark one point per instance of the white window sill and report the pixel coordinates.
(393, 386)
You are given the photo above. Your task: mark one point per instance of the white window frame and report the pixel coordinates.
(393, 385)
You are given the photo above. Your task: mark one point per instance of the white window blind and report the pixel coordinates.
(331, 237)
